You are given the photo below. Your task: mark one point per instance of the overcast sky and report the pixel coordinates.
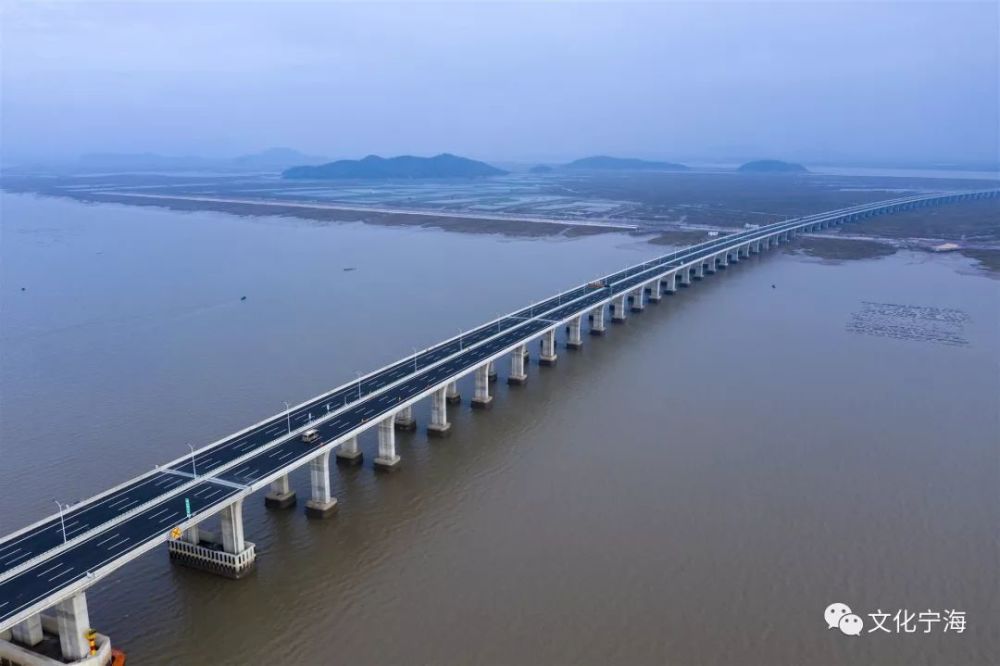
(882, 82)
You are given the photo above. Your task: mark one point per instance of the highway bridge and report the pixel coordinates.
(46, 567)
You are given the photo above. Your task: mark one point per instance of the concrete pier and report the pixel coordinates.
(711, 264)
(453, 396)
(322, 504)
(699, 271)
(73, 621)
(348, 453)
(685, 276)
(639, 299)
(671, 282)
(517, 375)
(574, 341)
(404, 420)
(29, 632)
(281, 495)
(724, 259)
(618, 316)
(482, 398)
(655, 291)
(439, 425)
(491, 372)
(228, 554)
(548, 355)
(386, 458)
(597, 320)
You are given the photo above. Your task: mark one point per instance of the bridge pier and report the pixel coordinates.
(232, 556)
(482, 398)
(439, 426)
(386, 458)
(517, 375)
(73, 621)
(638, 299)
(28, 632)
(491, 372)
(574, 341)
(597, 322)
(453, 396)
(404, 419)
(655, 291)
(548, 355)
(686, 276)
(281, 495)
(699, 271)
(671, 281)
(618, 315)
(348, 452)
(322, 504)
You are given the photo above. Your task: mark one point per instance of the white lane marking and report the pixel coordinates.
(287, 455)
(60, 574)
(102, 541)
(168, 517)
(118, 543)
(164, 510)
(50, 569)
(77, 528)
(114, 504)
(10, 554)
(19, 557)
(203, 491)
(214, 493)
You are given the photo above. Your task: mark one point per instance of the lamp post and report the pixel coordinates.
(62, 521)
(288, 416)
(358, 373)
(194, 470)
(415, 354)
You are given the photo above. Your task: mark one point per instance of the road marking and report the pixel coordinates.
(102, 541)
(60, 575)
(50, 569)
(168, 517)
(10, 554)
(118, 543)
(164, 510)
(19, 557)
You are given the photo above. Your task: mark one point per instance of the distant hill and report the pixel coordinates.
(272, 159)
(404, 166)
(772, 166)
(541, 168)
(603, 162)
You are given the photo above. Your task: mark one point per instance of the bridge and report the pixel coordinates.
(46, 567)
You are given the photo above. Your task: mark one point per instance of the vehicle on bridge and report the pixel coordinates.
(310, 436)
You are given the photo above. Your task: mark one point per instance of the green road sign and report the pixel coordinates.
(187, 506)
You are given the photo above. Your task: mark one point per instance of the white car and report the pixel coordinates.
(310, 436)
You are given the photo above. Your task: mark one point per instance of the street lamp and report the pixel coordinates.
(358, 373)
(194, 470)
(288, 416)
(415, 354)
(62, 521)
(460, 334)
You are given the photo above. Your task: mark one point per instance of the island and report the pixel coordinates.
(605, 163)
(772, 166)
(405, 166)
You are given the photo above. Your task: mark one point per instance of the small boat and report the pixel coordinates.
(117, 657)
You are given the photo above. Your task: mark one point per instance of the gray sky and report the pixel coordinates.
(831, 81)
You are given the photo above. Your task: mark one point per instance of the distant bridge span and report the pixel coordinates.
(52, 562)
